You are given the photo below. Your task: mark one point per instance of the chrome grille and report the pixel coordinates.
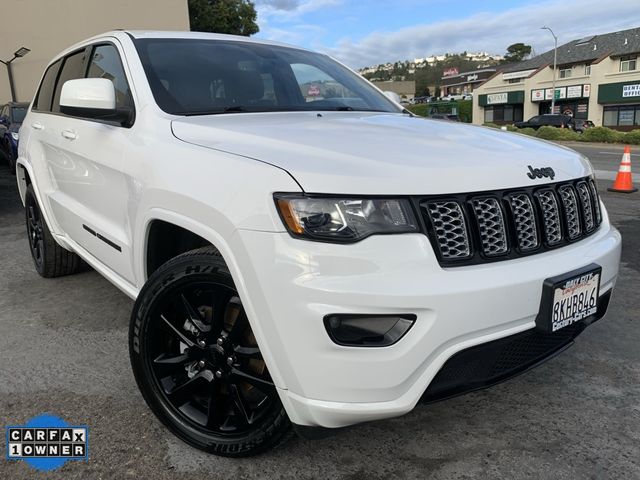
(493, 233)
(525, 221)
(572, 216)
(499, 225)
(585, 202)
(596, 201)
(450, 229)
(550, 216)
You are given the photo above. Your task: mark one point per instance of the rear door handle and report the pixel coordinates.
(37, 126)
(69, 134)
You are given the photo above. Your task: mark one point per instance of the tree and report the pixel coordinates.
(236, 17)
(517, 52)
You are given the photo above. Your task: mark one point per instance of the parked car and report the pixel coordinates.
(11, 116)
(457, 96)
(548, 120)
(445, 116)
(315, 263)
(581, 125)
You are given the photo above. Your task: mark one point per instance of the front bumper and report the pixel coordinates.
(293, 284)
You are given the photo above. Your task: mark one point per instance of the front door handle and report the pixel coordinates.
(69, 134)
(37, 126)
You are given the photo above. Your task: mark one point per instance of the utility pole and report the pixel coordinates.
(555, 58)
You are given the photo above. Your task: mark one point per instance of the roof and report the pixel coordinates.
(204, 36)
(585, 49)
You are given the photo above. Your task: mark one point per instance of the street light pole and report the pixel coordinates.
(21, 52)
(555, 58)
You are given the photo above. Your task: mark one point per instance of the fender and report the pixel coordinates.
(223, 246)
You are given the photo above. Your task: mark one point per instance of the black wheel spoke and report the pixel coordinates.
(239, 403)
(216, 408)
(177, 332)
(167, 364)
(194, 315)
(261, 384)
(183, 392)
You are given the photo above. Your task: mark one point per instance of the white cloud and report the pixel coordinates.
(492, 32)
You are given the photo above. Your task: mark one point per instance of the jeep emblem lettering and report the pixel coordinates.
(540, 172)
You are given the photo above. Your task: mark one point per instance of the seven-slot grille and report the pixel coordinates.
(489, 226)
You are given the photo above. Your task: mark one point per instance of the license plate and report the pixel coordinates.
(569, 298)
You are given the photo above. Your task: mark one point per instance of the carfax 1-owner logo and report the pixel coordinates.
(47, 442)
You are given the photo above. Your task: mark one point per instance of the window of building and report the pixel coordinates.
(587, 69)
(628, 63)
(105, 63)
(565, 72)
(514, 80)
(621, 116)
(503, 113)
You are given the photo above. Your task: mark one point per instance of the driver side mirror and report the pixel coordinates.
(93, 98)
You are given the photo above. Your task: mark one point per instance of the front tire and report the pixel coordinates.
(49, 258)
(197, 362)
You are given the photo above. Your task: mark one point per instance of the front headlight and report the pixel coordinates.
(344, 219)
(15, 136)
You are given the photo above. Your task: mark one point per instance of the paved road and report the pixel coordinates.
(605, 158)
(63, 350)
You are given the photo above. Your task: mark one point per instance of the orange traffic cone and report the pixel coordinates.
(624, 181)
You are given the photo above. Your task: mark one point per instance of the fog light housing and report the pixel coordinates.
(363, 330)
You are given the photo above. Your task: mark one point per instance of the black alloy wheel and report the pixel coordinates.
(197, 361)
(35, 231)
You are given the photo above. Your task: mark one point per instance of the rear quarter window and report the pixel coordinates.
(44, 97)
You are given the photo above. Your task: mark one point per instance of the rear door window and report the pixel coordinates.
(72, 69)
(45, 92)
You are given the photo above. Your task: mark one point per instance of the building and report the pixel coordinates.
(466, 82)
(48, 27)
(597, 78)
(406, 88)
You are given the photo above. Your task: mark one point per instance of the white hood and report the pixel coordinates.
(379, 153)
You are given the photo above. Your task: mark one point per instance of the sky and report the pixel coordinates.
(365, 33)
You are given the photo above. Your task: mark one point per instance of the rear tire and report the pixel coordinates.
(197, 363)
(49, 258)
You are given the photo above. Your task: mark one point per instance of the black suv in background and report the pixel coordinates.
(560, 121)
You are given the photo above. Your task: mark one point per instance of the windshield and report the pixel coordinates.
(199, 77)
(18, 114)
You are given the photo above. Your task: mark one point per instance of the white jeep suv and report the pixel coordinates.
(302, 250)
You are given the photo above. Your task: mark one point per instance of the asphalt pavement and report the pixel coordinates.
(63, 350)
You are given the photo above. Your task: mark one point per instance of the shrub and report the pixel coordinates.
(421, 109)
(601, 134)
(632, 137)
(553, 133)
(464, 110)
(491, 125)
(526, 131)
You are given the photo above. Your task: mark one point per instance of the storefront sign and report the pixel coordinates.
(495, 98)
(537, 95)
(586, 90)
(514, 97)
(513, 75)
(472, 78)
(631, 90)
(561, 92)
(574, 91)
(449, 72)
